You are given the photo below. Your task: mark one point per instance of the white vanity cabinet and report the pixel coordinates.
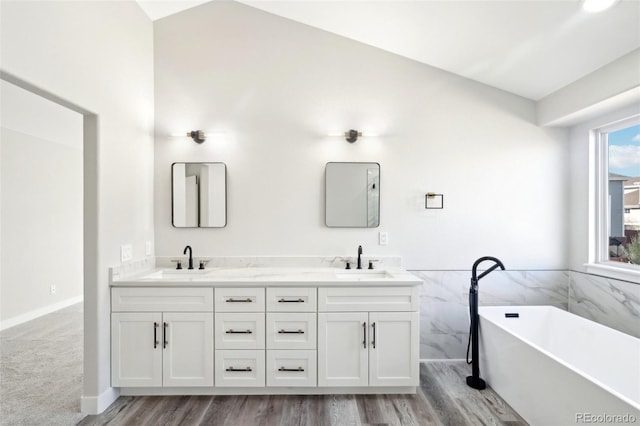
(368, 337)
(161, 337)
(289, 337)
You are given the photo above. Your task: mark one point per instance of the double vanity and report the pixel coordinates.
(253, 329)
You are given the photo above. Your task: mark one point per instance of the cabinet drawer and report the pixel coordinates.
(291, 299)
(239, 299)
(240, 330)
(291, 368)
(136, 299)
(386, 299)
(239, 368)
(296, 330)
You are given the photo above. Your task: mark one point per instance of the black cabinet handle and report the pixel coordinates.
(290, 332)
(291, 301)
(164, 334)
(373, 340)
(232, 331)
(290, 369)
(364, 335)
(238, 369)
(155, 335)
(232, 300)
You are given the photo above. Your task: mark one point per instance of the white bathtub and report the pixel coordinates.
(556, 368)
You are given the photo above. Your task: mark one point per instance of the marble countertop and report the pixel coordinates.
(268, 277)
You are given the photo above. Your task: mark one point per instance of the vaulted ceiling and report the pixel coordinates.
(527, 47)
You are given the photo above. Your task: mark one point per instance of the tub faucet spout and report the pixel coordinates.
(474, 275)
(359, 257)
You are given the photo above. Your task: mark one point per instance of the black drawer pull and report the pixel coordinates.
(290, 369)
(291, 301)
(373, 339)
(290, 332)
(164, 335)
(364, 335)
(232, 331)
(239, 369)
(155, 335)
(232, 300)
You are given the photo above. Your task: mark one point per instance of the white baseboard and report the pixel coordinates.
(31, 315)
(425, 360)
(93, 405)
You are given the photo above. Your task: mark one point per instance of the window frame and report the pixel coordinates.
(599, 262)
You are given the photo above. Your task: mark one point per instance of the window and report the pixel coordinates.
(616, 191)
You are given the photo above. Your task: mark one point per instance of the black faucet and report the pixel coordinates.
(474, 380)
(190, 256)
(475, 278)
(359, 258)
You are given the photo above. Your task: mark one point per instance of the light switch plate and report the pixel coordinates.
(126, 253)
(147, 248)
(384, 238)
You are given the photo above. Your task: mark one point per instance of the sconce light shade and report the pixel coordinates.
(198, 136)
(352, 135)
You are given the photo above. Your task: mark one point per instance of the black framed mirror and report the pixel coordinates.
(199, 195)
(352, 195)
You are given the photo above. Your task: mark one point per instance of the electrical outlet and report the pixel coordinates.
(147, 248)
(52, 289)
(126, 253)
(383, 238)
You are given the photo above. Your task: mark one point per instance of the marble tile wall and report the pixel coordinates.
(444, 317)
(613, 303)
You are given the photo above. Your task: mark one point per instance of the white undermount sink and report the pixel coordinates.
(175, 273)
(363, 274)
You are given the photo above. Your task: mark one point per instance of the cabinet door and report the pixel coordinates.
(136, 349)
(394, 348)
(342, 349)
(188, 351)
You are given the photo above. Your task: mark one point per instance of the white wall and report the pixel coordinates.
(276, 88)
(98, 56)
(41, 176)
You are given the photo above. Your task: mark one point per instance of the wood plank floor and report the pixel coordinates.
(443, 399)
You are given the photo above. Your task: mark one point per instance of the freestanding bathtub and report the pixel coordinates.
(556, 368)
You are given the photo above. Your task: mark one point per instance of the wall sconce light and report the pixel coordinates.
(198, 136)
(433, 201)
(352, 135)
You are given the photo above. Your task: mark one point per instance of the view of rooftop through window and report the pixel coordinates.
(624, 195)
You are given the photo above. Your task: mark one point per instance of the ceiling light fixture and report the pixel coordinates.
(594, 6)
